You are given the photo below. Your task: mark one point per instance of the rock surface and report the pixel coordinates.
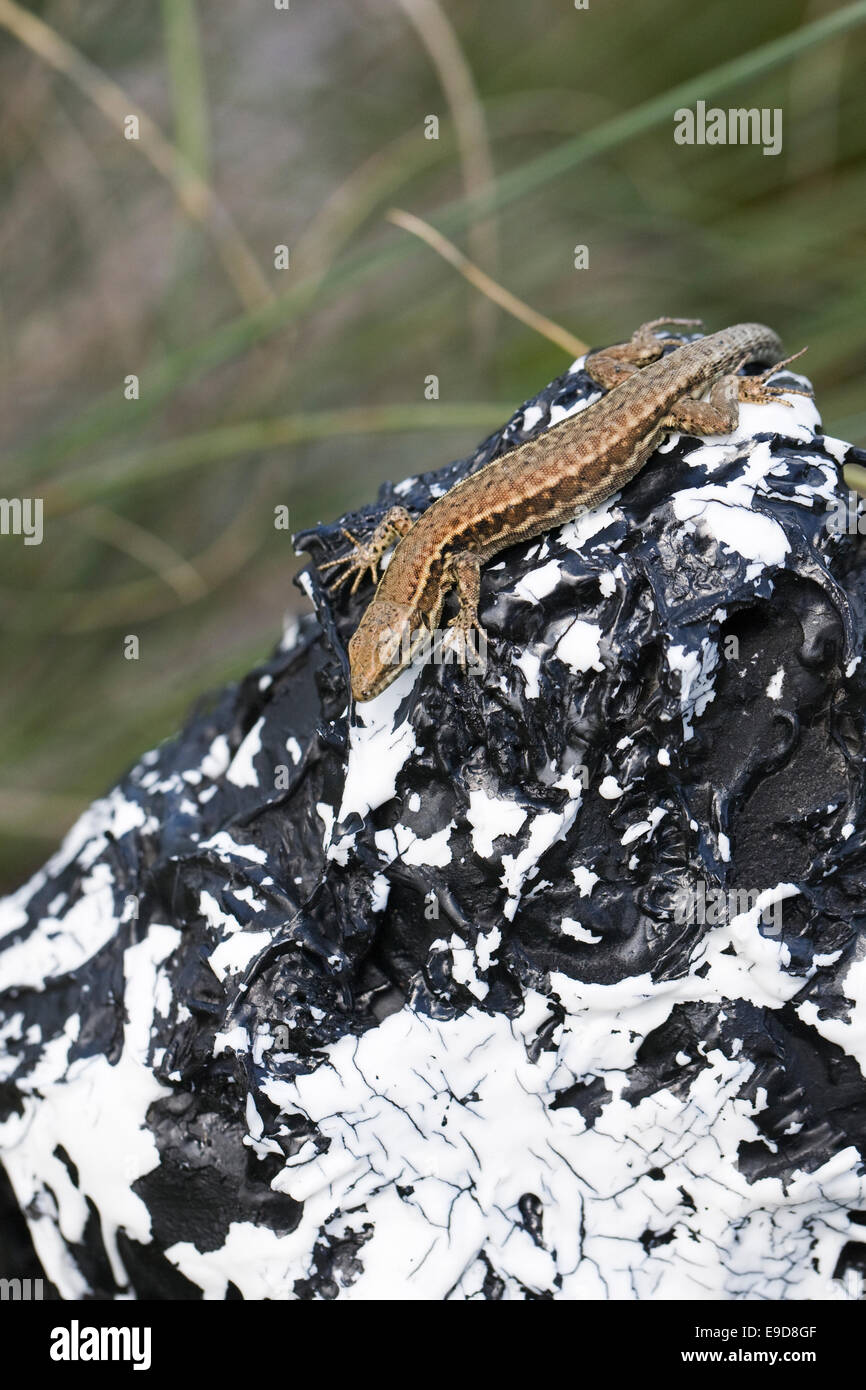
(547, 981)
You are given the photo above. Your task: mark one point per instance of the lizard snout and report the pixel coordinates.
(380, 649)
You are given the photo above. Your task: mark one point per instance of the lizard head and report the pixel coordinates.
(385, 642)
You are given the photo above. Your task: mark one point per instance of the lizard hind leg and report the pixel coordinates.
(647, 328)
(463, 570)
(646, 345)
(612, 365)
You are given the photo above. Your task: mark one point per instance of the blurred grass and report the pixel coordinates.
(186, 74)
(305, 127)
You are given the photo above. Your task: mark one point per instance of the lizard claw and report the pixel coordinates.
(357, 561)
(460, 637)
(365, 556)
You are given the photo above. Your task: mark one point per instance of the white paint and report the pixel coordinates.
(228, 849)
(544, 830)
(836, 448)
(579, 647)
(235, 1039)
(242, 772)
(573, 929)
(466, 962)
(697, 671)
(644, 827)
(490, 817)
(232, 956)
(529, 663)
(57, 946)
(850, 1033)
(576, 533)
(751, 1240)
(585, 880)
(378, 751)
(536, 585)
(402, 843)
(216, 760)
(95, 1111)
(380, 890)
(558, 413)
(214, 914)
(726, 511)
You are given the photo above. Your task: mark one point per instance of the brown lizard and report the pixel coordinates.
(543, 483)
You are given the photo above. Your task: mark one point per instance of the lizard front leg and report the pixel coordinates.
(611, 365)
(720, 414)
(463, 572)
(365, 555)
